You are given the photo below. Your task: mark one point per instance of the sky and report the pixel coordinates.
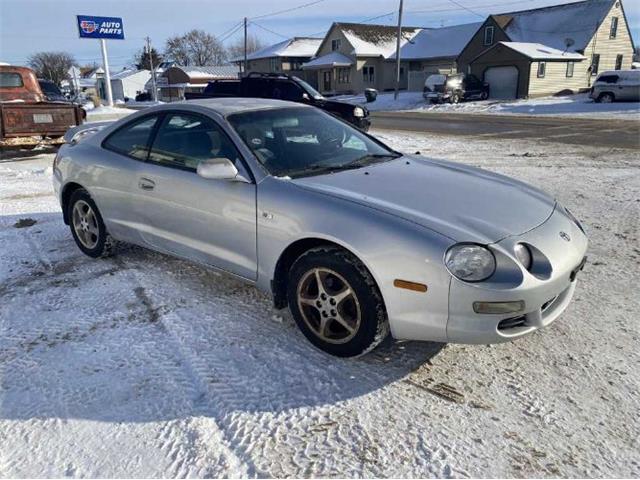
(30, 26)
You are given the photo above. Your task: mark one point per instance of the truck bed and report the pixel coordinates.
(45, 119)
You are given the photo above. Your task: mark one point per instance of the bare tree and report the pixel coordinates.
(236, 49)
(53, 66)
(197, 48)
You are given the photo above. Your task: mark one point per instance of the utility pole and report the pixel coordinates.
(154, 96)
(245, 47)
(395, 95)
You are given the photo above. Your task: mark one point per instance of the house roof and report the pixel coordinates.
(128, 73)
(293, 47)
(222, 71)
(333, 59)
(553, 25)
(438, 42)
(374, 40)
(537, 51)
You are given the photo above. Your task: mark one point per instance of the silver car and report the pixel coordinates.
(356, 239)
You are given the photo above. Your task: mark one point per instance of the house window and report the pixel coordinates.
(614, 27)
(570, 69)
(619, 62)
(335, 44)
(343, 75)
(488, 35)
(368, 74)
(595, 63)
(274, 64)
(295, 65)
(542, 68)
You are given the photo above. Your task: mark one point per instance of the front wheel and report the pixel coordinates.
(484, 95)
(605, 98)
(336, 302)
(455, 98)
(87, 227)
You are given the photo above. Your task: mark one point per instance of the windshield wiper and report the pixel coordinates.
(370, 158)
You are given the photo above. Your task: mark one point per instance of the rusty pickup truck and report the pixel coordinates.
(26, 118)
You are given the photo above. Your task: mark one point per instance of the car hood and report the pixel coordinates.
(462, 202)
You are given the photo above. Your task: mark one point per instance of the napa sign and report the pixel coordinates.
(100, 27)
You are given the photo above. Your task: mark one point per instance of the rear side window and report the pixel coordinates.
(10, 80)
(132, 139)
(184, 140)
(608, 79)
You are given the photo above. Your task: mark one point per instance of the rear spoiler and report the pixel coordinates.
(85, 129)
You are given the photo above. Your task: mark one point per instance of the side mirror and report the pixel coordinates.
(219, 169)
(305, 96)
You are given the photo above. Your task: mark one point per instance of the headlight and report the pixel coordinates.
(469, 262)
(574, 219)
(358, 112)
(523, 254)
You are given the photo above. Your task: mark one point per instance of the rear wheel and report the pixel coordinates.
(87, 227)
(455, 98)
(336, 303)
(484, 96)
(606, 98)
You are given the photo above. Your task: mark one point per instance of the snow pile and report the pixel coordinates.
(571, 105)
(104, 112)
(144, 365)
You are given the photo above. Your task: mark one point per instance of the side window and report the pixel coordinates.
(287, 91)
(613, 32)
(488, 35)
(184, 140)
(542, 69)
(132, 139)
(570, 66)
(10, 80)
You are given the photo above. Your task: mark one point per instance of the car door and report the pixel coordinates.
(115, 170)
(208, 221)
(472, 87)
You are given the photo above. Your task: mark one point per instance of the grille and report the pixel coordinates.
(511, 323)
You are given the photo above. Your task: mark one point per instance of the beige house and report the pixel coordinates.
(434, 50)
(354, 56)
(284, 57)
(549, 50)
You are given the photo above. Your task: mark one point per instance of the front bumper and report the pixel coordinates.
(544, 298)
(436, 96)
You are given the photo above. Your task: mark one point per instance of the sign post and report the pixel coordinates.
(102, 28)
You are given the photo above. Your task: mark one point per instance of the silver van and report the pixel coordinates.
(617, 85)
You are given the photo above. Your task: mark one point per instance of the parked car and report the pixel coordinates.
(284, 87)
(51, 91)
(25, 111)
(439, 88)
(616, 85)
(356, 238)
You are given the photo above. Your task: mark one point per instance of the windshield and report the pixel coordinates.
(309, 89)
(436, 79)
(297, 142)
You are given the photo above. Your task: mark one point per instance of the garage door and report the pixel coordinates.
(503, 82)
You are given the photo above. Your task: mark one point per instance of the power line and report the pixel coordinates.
(467, 9)
(478, 6)
(287, 10)
(267, 30)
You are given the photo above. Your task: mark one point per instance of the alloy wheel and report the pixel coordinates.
(85, 224)
(329, 305)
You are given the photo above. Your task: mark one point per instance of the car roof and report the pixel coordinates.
(228, 105)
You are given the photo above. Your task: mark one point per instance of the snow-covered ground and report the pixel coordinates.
(579, 105)
(145, 365)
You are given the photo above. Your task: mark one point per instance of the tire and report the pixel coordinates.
(89, 232)
(484, 96)
(455, 98)
(362, 310)
(606, 98)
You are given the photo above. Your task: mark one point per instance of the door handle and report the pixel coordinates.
(146, 184)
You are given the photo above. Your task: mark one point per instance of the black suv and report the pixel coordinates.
(284, 87)
(455, 88)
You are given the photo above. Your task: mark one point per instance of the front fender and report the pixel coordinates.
(390, 247)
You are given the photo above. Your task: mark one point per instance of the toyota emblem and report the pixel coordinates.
(565, 236)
